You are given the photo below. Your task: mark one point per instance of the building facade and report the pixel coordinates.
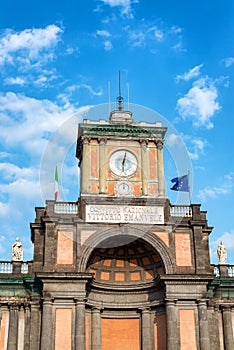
(121, 268)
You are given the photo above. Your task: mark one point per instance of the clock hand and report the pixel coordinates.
(123, 161)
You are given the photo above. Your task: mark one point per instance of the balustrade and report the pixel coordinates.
(65, 208)
(181, 211)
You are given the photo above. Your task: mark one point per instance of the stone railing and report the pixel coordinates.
(15, 267)
(65, 208)
(223, 270)
(181, 211)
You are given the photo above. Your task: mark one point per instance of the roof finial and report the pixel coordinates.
(120, 98)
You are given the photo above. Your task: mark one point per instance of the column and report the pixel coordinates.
(85, 167)
(26, 326)
(161, 181)
(35, 325)
(156, 169)
(203, 325)
(96, 341)
(12, 342)
(227, 328)
(47, 323)
(144, 167)
(146, 333)
(173, 336)
(80, 325)
(213, 324)
(102, 165)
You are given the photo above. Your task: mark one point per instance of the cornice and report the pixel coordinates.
(123, 130)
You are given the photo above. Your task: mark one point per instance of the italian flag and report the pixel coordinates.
(56, 185)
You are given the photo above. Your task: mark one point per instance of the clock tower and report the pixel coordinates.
(120, 160)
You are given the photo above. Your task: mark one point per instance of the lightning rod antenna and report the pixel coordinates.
(120, 98)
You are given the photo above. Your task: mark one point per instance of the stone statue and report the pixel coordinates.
(17, 250)
(222, 253)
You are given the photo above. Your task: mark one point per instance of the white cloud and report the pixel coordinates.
(14, 81)
(103, 33)
(158, 33)
(224, 188)
(29, 42)
(192, 73)
(89, 88)
(124, 4)
(28, 123)
(197, 147)
(228, 61)
(172, 139)
(145, 34)
(136, 38)
(108, 45)
(200, 103)
(27, 176)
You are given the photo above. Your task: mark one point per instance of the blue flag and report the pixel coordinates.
(180, 184)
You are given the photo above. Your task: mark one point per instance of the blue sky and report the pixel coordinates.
(56, 59)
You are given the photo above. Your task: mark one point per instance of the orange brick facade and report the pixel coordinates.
(121, 334)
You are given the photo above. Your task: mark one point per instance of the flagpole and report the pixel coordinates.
(56, 185)
(189, 187)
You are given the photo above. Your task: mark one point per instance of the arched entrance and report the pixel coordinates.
(126, 299)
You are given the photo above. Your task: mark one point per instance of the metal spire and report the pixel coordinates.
(120, 98)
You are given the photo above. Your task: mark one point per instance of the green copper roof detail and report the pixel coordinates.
(122, 130)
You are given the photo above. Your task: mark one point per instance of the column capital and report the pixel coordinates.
(201, 302)
(145, 310)
(27, 306)
(47, 300)
(86, 139)
(143, 142)
(226, 308)
(14, 306)
(97, 309)
(80, 301)
(159, 143)
(102, 140)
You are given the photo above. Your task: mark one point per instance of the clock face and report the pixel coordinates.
(123, 188)
(123, 163)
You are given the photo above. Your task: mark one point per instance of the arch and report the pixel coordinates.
(126, 234)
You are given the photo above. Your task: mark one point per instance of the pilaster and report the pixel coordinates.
(173, 336)
(146, 330)
(144, 167)
(35, 325)
(102, 165)
(80, 324)
(85, 166)
(161, 180)
(27, 326)
(227, 327)
(12, 343)
(96, 329)
(47, 323)
(203, 325)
